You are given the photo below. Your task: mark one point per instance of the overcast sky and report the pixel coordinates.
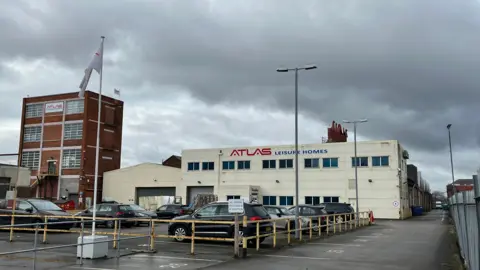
(202, 73)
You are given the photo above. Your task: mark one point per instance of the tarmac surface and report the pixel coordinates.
(417, 243)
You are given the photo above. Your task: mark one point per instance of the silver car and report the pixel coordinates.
(281, 214)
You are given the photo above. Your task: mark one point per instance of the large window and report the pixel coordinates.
(331, 199)
(228, 165)
(361, 162)
(286, 200)
(71, 158)
(269, 200)
(208, 166)
(193, 166)
(33, 110)
(74, 106)
(330, 163)
(312, 163)
(32, 134)
(243, 164)
(313, 200)
(73, 131)
(269, 164)
(285, 163)
(380, 161)
(31, 159)
(233, 197)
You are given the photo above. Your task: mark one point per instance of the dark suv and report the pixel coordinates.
(34, 211)
(339, 208)
(169, 211)
(313, 211)
(110, 210)
(218, 211)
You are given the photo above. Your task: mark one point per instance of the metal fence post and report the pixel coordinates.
(82, 224)
(476, 188)
(35, 248)
(118, 239)
(465, 226)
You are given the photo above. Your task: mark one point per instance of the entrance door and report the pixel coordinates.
(52, 167)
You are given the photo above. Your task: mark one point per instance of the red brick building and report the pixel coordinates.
(460, 185)
(58, 140)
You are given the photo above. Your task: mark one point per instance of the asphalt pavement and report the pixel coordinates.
(417, 243)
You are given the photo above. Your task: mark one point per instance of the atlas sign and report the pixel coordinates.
(247, 152)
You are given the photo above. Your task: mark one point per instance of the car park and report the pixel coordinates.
(142, 213)
(344, 211)
(110, 210)
(218, 211)
(169, 211)
(282, 215)
(313, 212)
(34, 211)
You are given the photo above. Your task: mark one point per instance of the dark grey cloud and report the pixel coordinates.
(409, 66)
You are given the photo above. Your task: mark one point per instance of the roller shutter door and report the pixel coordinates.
(193, 191)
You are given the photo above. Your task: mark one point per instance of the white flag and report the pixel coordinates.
(95, 64)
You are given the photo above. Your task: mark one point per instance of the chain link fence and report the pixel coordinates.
(465, 212)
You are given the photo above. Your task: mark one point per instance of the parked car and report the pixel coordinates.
(110, 210)
(218, 211)
(281, 213)
(169, 211)
(338, 209)
(38, 207)
(312, 211)
(142, 213)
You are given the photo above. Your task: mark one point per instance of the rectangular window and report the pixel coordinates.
(269, 164)
(269, 200)
(380, 161)
(208, 166)
(74, 106)
(330, 163)
(31, 159)
(33, 110)
(331, 199)
(233, 197)
(193, 166)
(286, 200)
(243, 164)
(312, 163)
(32, 134)
(361, 162)
(228, 165)
(71, 158)
(73, 131)
(285, 163)
(312, 200)
(351, 184)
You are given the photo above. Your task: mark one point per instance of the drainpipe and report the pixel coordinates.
(220, 154)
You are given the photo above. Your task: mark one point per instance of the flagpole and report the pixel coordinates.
(97, 149)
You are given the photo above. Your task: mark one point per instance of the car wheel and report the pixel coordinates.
(339, 219)
(110, 224)
(315, 227)
(179, 233)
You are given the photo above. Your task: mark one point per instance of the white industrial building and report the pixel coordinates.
(266, 173)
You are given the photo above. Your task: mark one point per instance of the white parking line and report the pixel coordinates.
(90, 268)
(172, 258)
(185, 244)
(296, 257)
(336, 244)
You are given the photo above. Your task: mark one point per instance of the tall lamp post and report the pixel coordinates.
(355, 122)
(451, 157)
(296, 69)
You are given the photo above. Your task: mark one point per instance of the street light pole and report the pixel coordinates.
(451, 157)
(296, 69)
(354, 122)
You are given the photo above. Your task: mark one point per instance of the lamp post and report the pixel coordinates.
(451, 157)
(355, 122)
(296, 69)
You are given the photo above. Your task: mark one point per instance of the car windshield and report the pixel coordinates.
(124, 208)
(45, 205)
(286, 211)
(260, 210)
(136, 207)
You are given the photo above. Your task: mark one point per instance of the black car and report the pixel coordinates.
(38, 207)
(315, 212)
(218, 211)
(169, 211)
(344, 211)
(110, 210)
(142, 213)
